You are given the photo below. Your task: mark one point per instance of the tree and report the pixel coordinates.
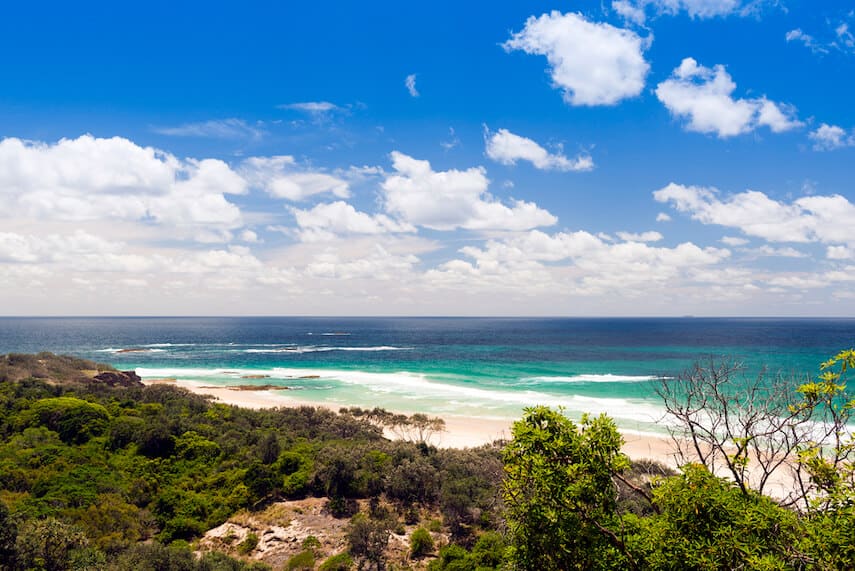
(707, 522)
(48, 544)
(8, 536)
(753, 428)
(826, 464)
(559, 492)
(368, 539)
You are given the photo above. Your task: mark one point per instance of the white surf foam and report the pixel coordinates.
(606, 378)
(325, 349)
(383, 389)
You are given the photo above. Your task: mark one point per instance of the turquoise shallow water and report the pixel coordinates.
(446, 366)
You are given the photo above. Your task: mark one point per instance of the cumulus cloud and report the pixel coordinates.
(410, 83)
(326, 221)
(282, 177)
(592, 63)
(840, 253)
(445, 200)
(650, 236)
(704, 97)
(663, 217)
(825, 219)
(379, 264)
(830, 137)
(89, 178)
(592, 266)
(508, 148)
(216, 128)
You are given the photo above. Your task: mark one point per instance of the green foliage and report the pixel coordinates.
(303, 561)
(248, 544)
(312, 544)
(450, 557)
(705, 522)
(48, 545)
(98, 477)
(559, 492)
(421, 543)
(368, 538)
(75, 420)
(157, 557)
(338, 562)
(8, 538)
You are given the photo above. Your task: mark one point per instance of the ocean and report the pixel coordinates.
(467, 367)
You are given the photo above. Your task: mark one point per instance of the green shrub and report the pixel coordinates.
(421, 543)
(303, 561)
(75, 420)
(435, 525)
(247, 545)
(339, 562)
(311, 543)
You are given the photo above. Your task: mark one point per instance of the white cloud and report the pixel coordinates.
(663, 217)
(830, 137)
(734, 241)
(445, 200)
(452, 142)
(89, 178)
(807, 40)
(844, 36)
(312, 107)
(635, 10)
(282, 177)
(592, 63)
(826, 219)
(840, 253)
(507, 148)
(704, 97)
(591, 265)
(786, 252)
(326, 221)
(650, 236)
(410, 83)
(632, 11)
(836, 37)
(377, 264)
(217, 128)
(250, 237)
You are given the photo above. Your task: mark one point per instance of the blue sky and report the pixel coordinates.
(623, 157)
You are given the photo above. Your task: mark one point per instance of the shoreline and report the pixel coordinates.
(460, 431)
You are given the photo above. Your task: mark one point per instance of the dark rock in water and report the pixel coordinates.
(119, 378)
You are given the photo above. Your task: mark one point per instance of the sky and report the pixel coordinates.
(576, 158)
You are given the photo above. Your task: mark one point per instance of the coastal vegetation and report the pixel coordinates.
(98, 471)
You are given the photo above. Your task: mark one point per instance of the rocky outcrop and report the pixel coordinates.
(118, 378)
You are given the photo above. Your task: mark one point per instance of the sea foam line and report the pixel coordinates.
(586, 378)
(324, 349)
(409, 386)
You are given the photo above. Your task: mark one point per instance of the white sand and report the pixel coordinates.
(461, 432)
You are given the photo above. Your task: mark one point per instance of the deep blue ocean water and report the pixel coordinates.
(487, 367)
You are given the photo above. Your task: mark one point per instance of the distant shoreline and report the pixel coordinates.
(461, 432)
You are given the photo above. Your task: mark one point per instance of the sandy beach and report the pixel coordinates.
(461, 432)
